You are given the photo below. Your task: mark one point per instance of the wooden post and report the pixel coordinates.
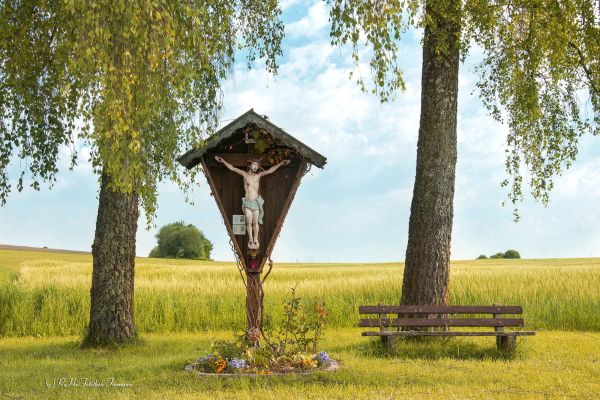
(388, 341)
(253, 301)
(505, 344)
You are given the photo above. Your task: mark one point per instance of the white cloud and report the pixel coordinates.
(312, 24)
(313, 98)
(287, 4)
(582, 180)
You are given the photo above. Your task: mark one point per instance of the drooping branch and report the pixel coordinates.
(585, 67)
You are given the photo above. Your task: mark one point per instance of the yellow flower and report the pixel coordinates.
(304, 361)
(220, 365)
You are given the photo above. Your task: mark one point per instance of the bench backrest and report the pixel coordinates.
(440, 309)
(440, 319)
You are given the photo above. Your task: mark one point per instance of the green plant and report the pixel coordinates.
(300, 331)
(229, 349)
(260, 357)
(178, 240)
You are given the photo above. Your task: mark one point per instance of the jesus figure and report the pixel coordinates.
(252, 203)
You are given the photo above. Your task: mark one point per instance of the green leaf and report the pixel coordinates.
(261, 145)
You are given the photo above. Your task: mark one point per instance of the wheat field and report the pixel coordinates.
(47, 294)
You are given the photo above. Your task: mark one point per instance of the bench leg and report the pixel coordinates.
(506, 344)
(389, 342)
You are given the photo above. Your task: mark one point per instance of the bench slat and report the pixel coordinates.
(448, 333)
(440, 310)
(440, 322)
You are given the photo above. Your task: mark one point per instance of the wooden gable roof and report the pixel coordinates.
(193, 157)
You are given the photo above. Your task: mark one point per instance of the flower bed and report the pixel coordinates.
(291, 348)
(216, 364)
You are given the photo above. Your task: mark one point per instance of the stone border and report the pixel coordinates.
(331, 368)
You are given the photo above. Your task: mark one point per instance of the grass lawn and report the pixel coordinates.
(551, 365)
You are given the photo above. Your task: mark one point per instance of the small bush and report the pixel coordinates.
(507, 254)
(301, 329)
(511, 254)
(178, 240)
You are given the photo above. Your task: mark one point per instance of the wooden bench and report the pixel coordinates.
(437, 321)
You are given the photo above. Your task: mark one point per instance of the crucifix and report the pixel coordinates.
(252, 202)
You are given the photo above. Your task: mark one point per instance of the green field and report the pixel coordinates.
(47, 294)
(181, 306)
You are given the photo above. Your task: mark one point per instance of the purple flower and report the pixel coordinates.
(323, 358)
(237, 363)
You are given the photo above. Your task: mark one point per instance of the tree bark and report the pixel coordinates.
(113, 251)
(426, 273)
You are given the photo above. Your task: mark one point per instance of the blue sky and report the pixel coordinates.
(357, 208)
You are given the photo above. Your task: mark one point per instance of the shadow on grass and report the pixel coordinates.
(430, 348)
(70, 348)
(51, 349)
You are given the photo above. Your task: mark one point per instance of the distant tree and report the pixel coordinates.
(507, 254)
(511, 254)
(178, 240)
(154, 253)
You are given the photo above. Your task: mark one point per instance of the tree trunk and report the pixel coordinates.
(426, 272)
(113, 251)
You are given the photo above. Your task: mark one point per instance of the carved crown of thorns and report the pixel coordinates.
(254, 160)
